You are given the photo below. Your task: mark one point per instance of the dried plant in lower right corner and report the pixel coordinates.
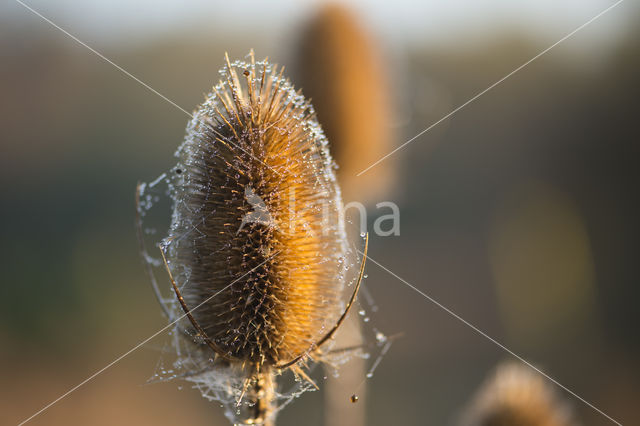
(517, 396)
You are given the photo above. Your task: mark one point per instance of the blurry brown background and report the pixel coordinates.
(520, 213)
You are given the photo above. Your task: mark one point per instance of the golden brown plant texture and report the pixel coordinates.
(256, 251)
(340, 66)
(517, 396)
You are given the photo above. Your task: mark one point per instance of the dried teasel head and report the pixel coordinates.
(256, 250)
(516, 395)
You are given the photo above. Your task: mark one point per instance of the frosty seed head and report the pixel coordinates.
(257, 220)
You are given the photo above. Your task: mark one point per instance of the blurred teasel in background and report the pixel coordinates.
(341, 68)
(516, 395)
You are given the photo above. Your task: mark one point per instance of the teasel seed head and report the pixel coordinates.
(257, 221)
(517, 395)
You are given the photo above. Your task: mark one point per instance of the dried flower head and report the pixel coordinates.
(256, 251)
(517, 396)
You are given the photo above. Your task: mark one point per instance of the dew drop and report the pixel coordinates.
(354, 398)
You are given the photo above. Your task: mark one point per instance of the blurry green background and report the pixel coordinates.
(520, 213)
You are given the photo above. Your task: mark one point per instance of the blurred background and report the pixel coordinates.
(519, 213)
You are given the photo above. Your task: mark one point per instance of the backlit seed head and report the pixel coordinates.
(517, 395)
(257, 220)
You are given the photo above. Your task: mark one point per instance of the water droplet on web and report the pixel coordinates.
(362, 312)
(381, 338)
